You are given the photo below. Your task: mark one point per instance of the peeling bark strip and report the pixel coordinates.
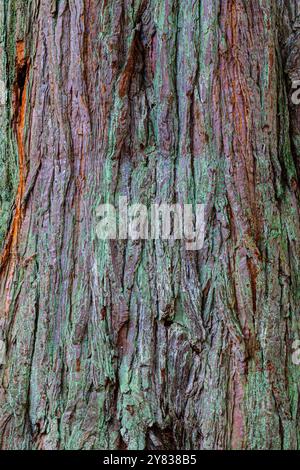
(19, 122)
(126, 344)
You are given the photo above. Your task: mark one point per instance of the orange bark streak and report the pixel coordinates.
(9, 254)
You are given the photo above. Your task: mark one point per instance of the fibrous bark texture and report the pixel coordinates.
(142, 344)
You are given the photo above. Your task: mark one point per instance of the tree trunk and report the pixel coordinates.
(142, 344)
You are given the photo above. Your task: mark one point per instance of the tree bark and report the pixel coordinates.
(145, 345)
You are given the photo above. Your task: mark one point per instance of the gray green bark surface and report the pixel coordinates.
(133, 345)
